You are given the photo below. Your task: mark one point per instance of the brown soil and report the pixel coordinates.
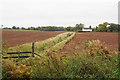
(14, 38)
(110, 39)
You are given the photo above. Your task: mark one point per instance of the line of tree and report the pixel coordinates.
(50, 28)
(105, 27)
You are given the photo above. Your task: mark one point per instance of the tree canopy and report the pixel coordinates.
(108, 27)
(79, 26)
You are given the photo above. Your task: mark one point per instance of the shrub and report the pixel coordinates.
(12, 70)
(96, 48)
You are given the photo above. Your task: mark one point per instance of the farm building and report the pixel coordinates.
(86, 29)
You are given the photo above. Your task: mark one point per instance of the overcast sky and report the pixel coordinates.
(35, 13)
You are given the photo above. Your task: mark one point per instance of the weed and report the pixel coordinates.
(86, 43)
(79, 43)
(12, 70)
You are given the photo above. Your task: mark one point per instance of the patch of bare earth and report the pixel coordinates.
(76, 44)
(14, 38)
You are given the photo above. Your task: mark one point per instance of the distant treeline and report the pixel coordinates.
(50, 28)
(105, 27)
(47, 28)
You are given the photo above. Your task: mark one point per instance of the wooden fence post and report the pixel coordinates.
(33, 49)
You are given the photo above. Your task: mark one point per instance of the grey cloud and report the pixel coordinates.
(58, 12)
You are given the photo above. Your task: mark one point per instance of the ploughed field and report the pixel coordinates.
(14, 38)
(74, 45)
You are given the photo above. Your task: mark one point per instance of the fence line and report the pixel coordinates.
(21, 53)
